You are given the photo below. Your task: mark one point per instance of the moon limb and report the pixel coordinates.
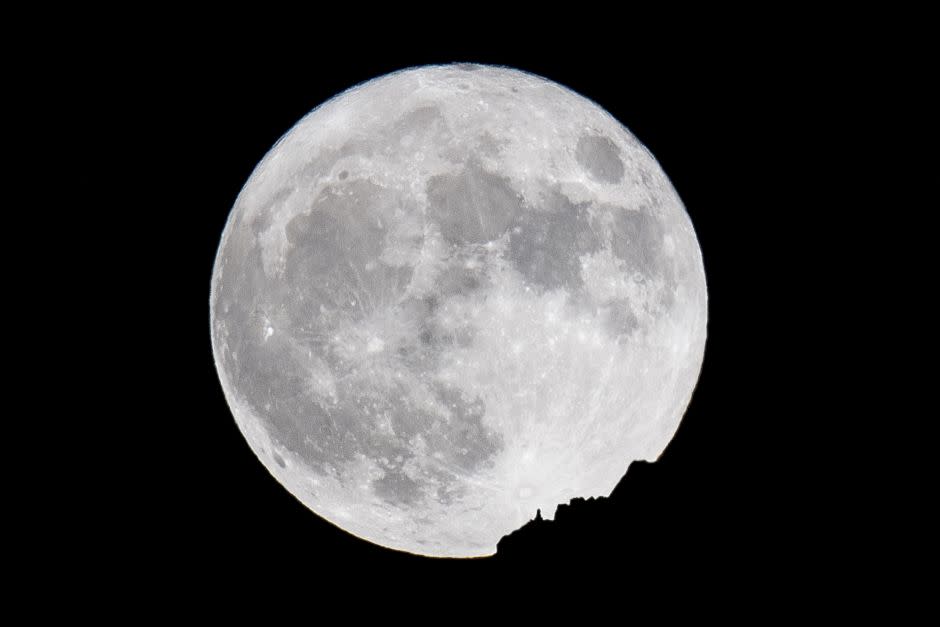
(513, 309)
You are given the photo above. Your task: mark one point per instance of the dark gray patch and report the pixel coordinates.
(340, 230)
(488, 145)
(450, 493)
(397, 488)
(422, 124)
(277, 392)
(426, 336)
(333, 437)
(343, 175)
(600, 157)
(456, 278)
(468, 67)
(262, 218)
(415, 309)
(334, 252)
(278, 460)
(326, 265)
(636, 237)
(454, 281)
(464, 441)
(325, 159)
(434, 338)
(418, 119)
(336, 434)
(463, 87)
(620, 319)
(422, 354)
(474, 206)
(326, 246)
(545, 245)
(268, 374)
(409, 421)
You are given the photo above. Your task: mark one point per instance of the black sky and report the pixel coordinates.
(725, 116)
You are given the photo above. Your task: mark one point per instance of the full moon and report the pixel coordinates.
(451, 296)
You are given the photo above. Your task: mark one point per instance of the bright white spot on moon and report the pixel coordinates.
(452, 296)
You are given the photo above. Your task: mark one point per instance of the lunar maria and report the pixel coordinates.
(451, 296)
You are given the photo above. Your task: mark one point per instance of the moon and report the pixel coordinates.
(452, 296)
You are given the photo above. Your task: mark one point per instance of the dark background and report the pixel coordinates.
(741, 122)
(710, 495)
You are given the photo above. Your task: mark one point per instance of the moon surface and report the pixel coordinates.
(451, 296)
